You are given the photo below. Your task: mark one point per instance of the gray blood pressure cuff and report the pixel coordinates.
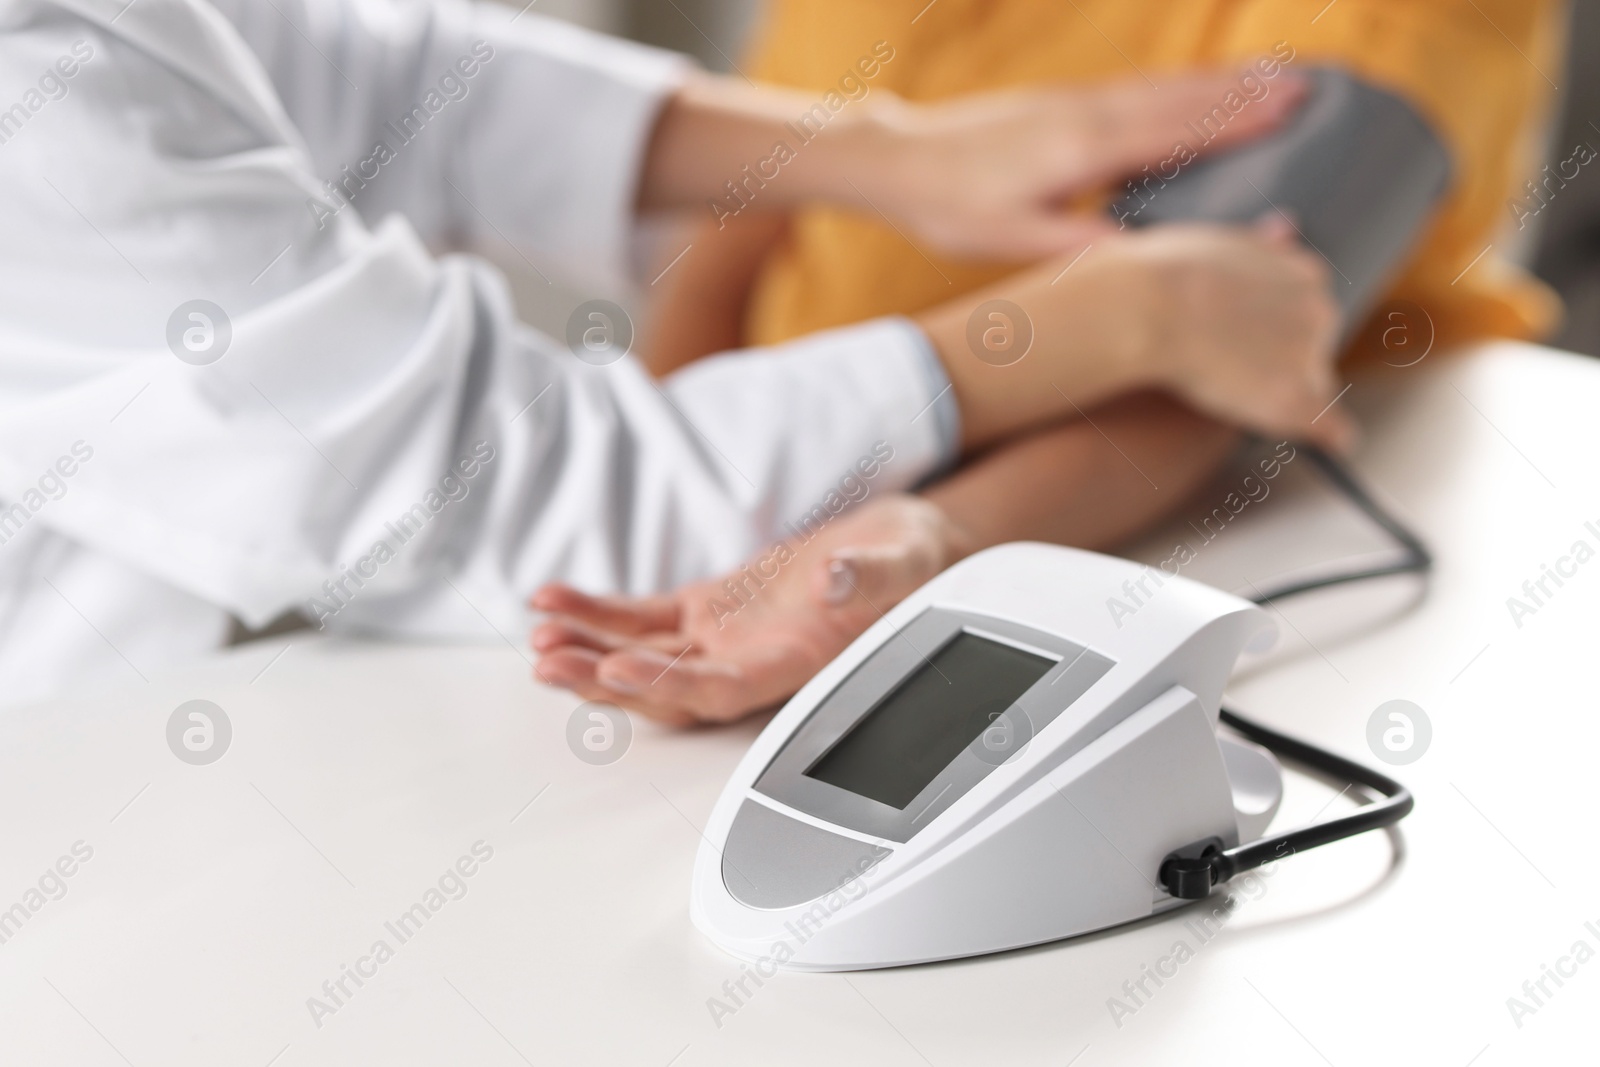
(1355, 168)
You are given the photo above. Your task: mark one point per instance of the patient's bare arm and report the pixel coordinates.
(1232, 319)
(698, 654)
(1093, 482)
(701, 654)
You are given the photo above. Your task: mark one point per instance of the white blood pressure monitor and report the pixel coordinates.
(1000, 761)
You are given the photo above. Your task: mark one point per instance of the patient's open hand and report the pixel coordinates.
(698, 655)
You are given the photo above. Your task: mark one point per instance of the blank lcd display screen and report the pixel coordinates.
(903, 743)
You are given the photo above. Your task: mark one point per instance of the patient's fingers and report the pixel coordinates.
(627, 615)
(589, 689)
(574, 669)
(654, 680)
(713, 690)
(563, 630)
(567, 668)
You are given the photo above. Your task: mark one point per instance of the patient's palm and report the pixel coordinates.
(717, 650)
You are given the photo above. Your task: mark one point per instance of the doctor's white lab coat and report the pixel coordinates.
(380, 445)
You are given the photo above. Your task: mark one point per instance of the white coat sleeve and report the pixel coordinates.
(368, 435)
(481, 130)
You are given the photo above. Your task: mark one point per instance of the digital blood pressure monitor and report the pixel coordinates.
(999, 761)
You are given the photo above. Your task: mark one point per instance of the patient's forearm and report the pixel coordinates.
(1087, 484)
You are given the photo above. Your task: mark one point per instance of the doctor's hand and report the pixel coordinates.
(700, 655)
(1243, 326)
(987, 176)
(1238, 321)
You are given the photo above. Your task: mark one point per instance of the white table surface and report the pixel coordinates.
(219, 898)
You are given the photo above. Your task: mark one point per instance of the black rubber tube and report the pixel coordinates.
(1190, 873)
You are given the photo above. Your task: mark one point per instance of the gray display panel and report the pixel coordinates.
(1072, 669)
(898, 747)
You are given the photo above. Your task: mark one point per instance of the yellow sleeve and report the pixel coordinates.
(1481, 72)
(810, 44)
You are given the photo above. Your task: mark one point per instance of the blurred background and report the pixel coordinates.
(713, 31)
(1562, 246)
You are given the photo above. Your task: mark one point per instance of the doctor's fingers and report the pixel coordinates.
(1282, 404)
(1128, 125)
(1330, 428)
(618, 614)
(560, 631)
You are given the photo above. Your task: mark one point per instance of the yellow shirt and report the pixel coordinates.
(1476, 69)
